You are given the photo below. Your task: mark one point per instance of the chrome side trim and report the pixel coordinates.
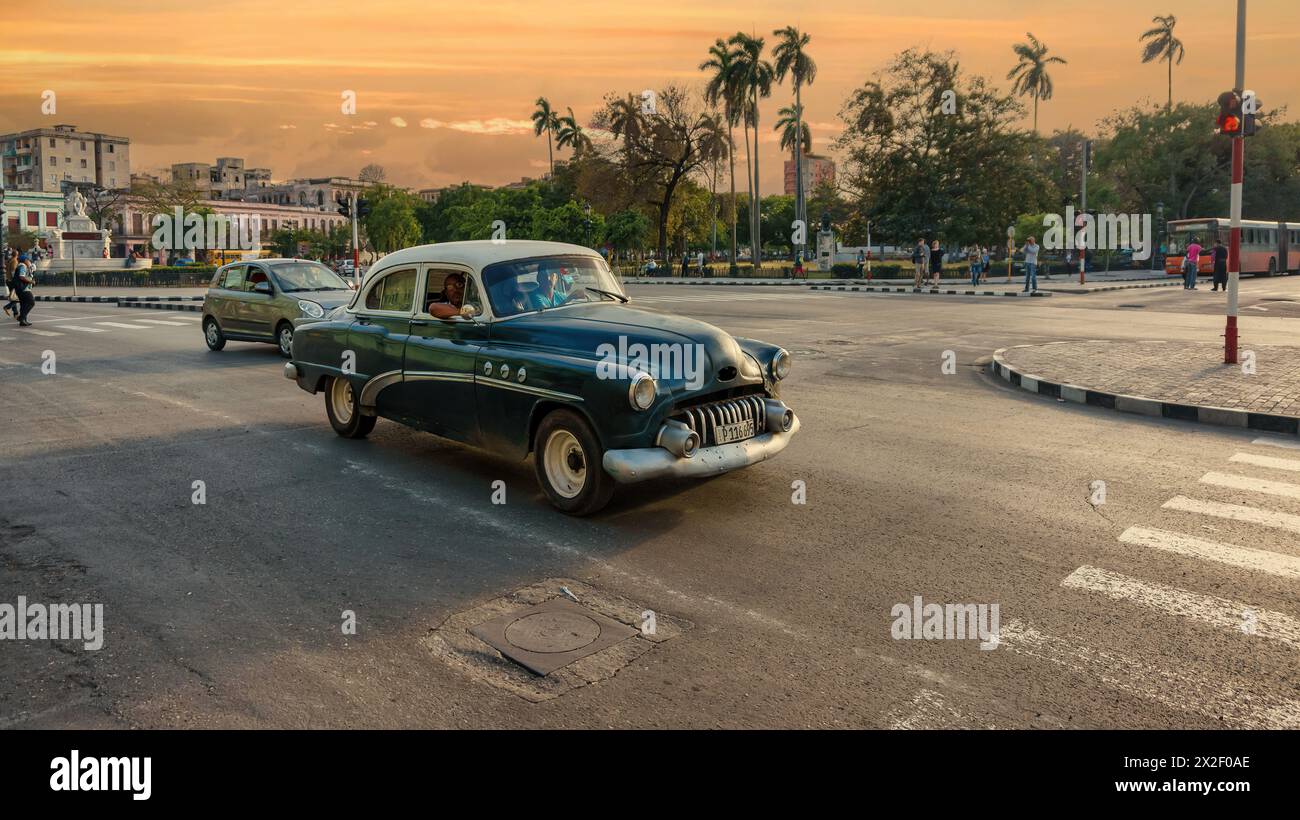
(643, 464)
(525, 388)
(437, 376)
(376, 386)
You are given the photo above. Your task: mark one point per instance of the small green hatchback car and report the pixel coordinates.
(258, 301)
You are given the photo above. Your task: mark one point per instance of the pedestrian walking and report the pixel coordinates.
(862, 261)
(1031, 266)
(920, 261)
(1191, 263)
(986, 259)
(936, 261)
(9, 285)
(798, 265)
(699, 263)
(1220, 266)
(685, 264)
(23, 281)
(976, 264)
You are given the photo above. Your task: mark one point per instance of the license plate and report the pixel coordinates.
(741, 430)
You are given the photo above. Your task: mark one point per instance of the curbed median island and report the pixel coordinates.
(1177, 380)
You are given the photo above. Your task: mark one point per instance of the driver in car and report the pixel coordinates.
(550, 292)
(447, 304)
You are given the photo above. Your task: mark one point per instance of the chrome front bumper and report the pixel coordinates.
(631, 466)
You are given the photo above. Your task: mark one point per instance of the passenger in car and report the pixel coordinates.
(447, 304)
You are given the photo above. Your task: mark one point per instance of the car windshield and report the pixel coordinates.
(296, 277)
(542, 283)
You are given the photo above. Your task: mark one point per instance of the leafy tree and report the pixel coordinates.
(545, 120)
(372, 174)
(914, 170)
(391, 224)
(627, 230)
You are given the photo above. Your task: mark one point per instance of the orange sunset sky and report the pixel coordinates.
(445, 89)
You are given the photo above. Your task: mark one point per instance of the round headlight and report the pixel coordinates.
(781, 365)
(642, 392)
(311, 309)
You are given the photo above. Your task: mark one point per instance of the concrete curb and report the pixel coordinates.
(1141, 405)
(119, 299)
(940, 291)
(1103, 288)
(766, 283)
(186, 306)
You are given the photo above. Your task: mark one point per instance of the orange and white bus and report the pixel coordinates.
(1267, 248)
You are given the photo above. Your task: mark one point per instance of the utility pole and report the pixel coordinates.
(868, 250)
(1082, 244)
(1238, 178)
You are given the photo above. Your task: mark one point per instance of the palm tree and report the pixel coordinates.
(570, 134)
(544, 119)
(714, 145)
(756, 75)
(793, 60)
(724, 87)
(790, 122)
(1162, 44)
(1030, 74)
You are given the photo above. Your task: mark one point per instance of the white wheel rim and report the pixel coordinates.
(286, 340)
(341, 399)
(212, 332)
(565, 464)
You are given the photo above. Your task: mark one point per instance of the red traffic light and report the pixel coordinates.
(1229, 114)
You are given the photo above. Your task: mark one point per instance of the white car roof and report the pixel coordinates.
(480, 253)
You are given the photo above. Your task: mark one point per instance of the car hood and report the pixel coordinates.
(595, 330)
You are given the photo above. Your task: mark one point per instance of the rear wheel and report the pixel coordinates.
(284, 339)
(212, 334)
(567, 460)
(344, 410)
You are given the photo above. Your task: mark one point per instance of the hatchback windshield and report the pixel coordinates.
(541, 283)
(296, 277)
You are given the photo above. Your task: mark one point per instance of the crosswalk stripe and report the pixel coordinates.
(43, 332)
(82, 329)
(124, 326)
(1267, 461)
(1255, 485)
(1174, 689)
(1235, 512)
(1278, 442)
(1285, 566)
(1210, 609)
(161, 322)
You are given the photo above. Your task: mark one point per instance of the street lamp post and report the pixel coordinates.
(1238, 177)
(1159, 256)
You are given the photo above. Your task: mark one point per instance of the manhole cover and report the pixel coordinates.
(548, 632)
(551, 635)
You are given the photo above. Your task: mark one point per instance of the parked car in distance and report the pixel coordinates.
(259, 301)
(526, 347)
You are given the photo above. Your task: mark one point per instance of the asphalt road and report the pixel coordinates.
(952, 487)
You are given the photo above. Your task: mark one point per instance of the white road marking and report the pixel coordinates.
(1278, 442)
(1268, 461)
(929, 709)
(1175, 689)
(1209, 609)
(160, 322)
(125, 326)
(1255, 485)
(42, 332)
(1235, 512)
(83, 329)
(1286, 566)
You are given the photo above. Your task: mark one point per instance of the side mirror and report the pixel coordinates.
(262, 287)
(469, 311)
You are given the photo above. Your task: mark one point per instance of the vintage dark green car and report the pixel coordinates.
(531, 347)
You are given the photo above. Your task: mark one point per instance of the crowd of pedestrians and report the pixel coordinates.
(19, 277)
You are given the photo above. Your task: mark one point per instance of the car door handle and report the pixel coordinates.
(421, 322)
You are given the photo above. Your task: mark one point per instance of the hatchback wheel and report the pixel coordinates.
(212, 334)
(344, 410)
(567, 460)
(284, 339)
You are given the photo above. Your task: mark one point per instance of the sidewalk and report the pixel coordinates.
(1178, 380)
(1059, 283)
(107, 294)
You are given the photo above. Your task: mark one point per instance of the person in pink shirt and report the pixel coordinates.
(1192, 263)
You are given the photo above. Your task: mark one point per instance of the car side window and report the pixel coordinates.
(395, 292)
(234, 278)
(256, 275)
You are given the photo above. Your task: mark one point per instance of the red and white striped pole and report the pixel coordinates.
(1238, 180)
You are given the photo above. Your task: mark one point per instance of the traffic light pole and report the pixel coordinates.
(1238, 179)
(1081, 245)
(356, 250)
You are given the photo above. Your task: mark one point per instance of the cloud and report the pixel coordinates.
(492, 127)
(287, 127)
(398, 121)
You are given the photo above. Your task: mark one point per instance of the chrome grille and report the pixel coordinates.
(704, 419)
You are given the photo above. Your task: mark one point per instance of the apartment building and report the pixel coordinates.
(43, 159)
